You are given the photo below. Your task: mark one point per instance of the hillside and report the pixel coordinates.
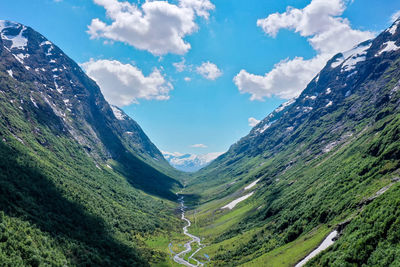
(326, 160)
(81, 183)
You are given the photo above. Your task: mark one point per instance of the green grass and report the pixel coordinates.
(293, 252)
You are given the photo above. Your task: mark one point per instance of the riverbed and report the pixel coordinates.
(179, 257)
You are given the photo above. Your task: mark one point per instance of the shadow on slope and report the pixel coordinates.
(27, 194)
(138, 173)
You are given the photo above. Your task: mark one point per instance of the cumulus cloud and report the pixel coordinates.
(209, 70)
(123, 84)
(187, 79)
(201, 7)
(180, 66)
(156, 26)
(253, 122)
(327, 33)
(198, 146)
(395, 16)
(285, 80)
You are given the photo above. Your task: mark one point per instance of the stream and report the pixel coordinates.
(179, 258)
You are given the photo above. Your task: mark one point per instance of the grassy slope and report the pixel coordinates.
(304, 193)
(313, 195)
(58, 208)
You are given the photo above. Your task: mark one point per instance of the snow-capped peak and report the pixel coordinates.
(189, 162)
(13, 32)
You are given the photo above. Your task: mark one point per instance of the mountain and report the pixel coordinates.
(189, 162)
(326, 160)
(80, 182)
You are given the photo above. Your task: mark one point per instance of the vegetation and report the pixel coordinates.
(316, 170)
(62, 205)
(84, 193)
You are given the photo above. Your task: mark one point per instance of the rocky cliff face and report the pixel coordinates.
(58, 86)
(45, 84)
(353, 85)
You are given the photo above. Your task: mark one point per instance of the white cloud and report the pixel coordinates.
(285, 80)
(327, 33)
(395, 16)
(198, 146)
(201, 7)
(253, 122)
(156, 26)
(209, 70)
(180, 66)
(123, 84)
(187, 79)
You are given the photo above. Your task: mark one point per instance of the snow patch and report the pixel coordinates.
(18, 41)
(232, 204)
(329, 240)
(392, 30)
(48, 53)
(265, 127)
(329, 104)
(252, 184)
(317, 78)
(34, 102)
(284, 105)
(352, 57)
(10, 72)
(45, 43)
(20, 57)
(351, 63)
(313, 97)
(58, 88)
(328, 91)
(118, 113)
(388, 47)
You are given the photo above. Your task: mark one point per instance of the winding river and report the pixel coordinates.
(179, 258)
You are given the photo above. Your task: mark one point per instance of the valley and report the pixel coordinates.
(179, 257)
(314, 167)
(315, 183)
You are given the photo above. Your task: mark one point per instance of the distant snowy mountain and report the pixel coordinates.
(189, 162)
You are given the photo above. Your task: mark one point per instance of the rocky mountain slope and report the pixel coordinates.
(62, 97)
(81, 183)
(314, 162)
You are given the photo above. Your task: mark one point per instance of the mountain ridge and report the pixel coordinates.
(314, 160)
(63, 90)
(190, 162)
(76, 188)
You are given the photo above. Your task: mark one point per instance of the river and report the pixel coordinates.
(179, 258)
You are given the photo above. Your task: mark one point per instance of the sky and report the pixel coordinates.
(198, 74)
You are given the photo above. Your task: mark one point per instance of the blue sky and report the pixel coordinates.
(215, 111)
